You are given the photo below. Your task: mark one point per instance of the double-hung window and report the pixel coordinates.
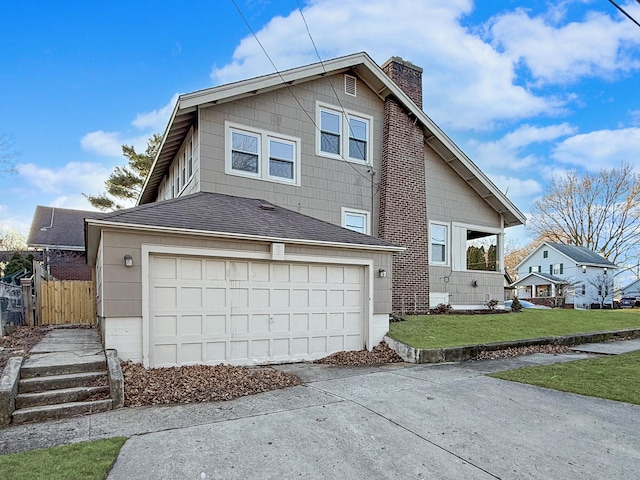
(358, 138)
(330, 131)
(439, 239)
(261, 154)
(245, 152)
(343, 134)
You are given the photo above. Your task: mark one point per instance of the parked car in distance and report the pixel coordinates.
(525, 304)
(627, 302)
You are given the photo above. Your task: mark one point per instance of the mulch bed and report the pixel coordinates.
(19, 342)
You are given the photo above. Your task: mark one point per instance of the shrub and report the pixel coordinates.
(442, 309)
(491, 304)
(515, 305)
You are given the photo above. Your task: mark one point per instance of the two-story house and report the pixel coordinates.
(556, 274)
(286, 216)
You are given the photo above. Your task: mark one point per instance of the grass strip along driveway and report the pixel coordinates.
(614, 378)
(79, 461)
(438, 331)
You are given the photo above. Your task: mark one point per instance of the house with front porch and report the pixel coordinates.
(571, 276)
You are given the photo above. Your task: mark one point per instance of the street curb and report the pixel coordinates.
(466, 352)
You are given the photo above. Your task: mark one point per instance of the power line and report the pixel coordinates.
(624, 12)
(293, 94)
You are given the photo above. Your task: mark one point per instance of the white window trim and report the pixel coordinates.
(352, 211)
(344, 132)
(263, 153)
(447, 245)
(459, 247)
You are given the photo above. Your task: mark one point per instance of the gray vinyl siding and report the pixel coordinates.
(122, 286)
(326, 185)
(451, 199)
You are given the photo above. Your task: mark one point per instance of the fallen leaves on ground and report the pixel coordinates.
(19, 342)
(198, 383)
(514, 352)
(380, 354)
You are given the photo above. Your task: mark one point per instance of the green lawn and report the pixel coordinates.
(80, 461)
(615, 378)
(434, 331)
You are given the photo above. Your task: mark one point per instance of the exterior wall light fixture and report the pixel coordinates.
(382, 273)
(584, 269)
(605, 270)
(128, 260)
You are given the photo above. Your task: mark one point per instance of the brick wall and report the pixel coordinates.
(403, 209)
(69, 266)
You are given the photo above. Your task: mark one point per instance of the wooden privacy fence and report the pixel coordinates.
(67, 302)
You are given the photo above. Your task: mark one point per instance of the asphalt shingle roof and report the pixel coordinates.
(581, 255)
(214, 212)
(59, 227)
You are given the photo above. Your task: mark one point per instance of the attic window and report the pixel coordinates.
(350, 85)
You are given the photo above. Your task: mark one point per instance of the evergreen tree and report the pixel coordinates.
(125, 182)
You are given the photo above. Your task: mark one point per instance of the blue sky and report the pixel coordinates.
(527, 89)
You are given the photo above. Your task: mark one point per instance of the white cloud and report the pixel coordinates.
(74, 202)
(156, 120)
(20, 224)
(467, 83)
(72, 177)
(507, 152)
(517, 188)
(109, 144)
(600, 149)
(596, 46)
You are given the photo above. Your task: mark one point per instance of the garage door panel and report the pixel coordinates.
(280, 273)
(238, 271)
(215, 269)
(191, 353)
(239, 324)
(191, 297)
(241, 312)
(191, 325)
(190, 269)
(215, 325)
(165, 325)
(299, 322)
(215, 298)
(164, 297)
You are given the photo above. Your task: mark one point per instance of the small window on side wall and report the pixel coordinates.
(356, 220)
(439, 239)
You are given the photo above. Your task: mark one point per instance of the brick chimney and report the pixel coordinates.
(403, 205)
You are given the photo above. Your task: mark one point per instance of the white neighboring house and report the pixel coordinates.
(554, 272)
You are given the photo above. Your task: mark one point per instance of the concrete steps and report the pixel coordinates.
(66, 374)
(52, 412)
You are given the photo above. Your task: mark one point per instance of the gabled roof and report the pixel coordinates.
(226, 216)
(575, 253)
(544, 276)
(184, 114)
(59, 228)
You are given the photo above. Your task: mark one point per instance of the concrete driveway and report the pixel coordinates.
(445, 421)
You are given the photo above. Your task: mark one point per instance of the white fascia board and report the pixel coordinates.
(240, 236)
(160, 148)
(231, 91)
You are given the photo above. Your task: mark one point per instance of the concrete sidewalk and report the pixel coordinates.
(394, 421)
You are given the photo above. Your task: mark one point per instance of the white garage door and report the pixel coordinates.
(205, 310)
